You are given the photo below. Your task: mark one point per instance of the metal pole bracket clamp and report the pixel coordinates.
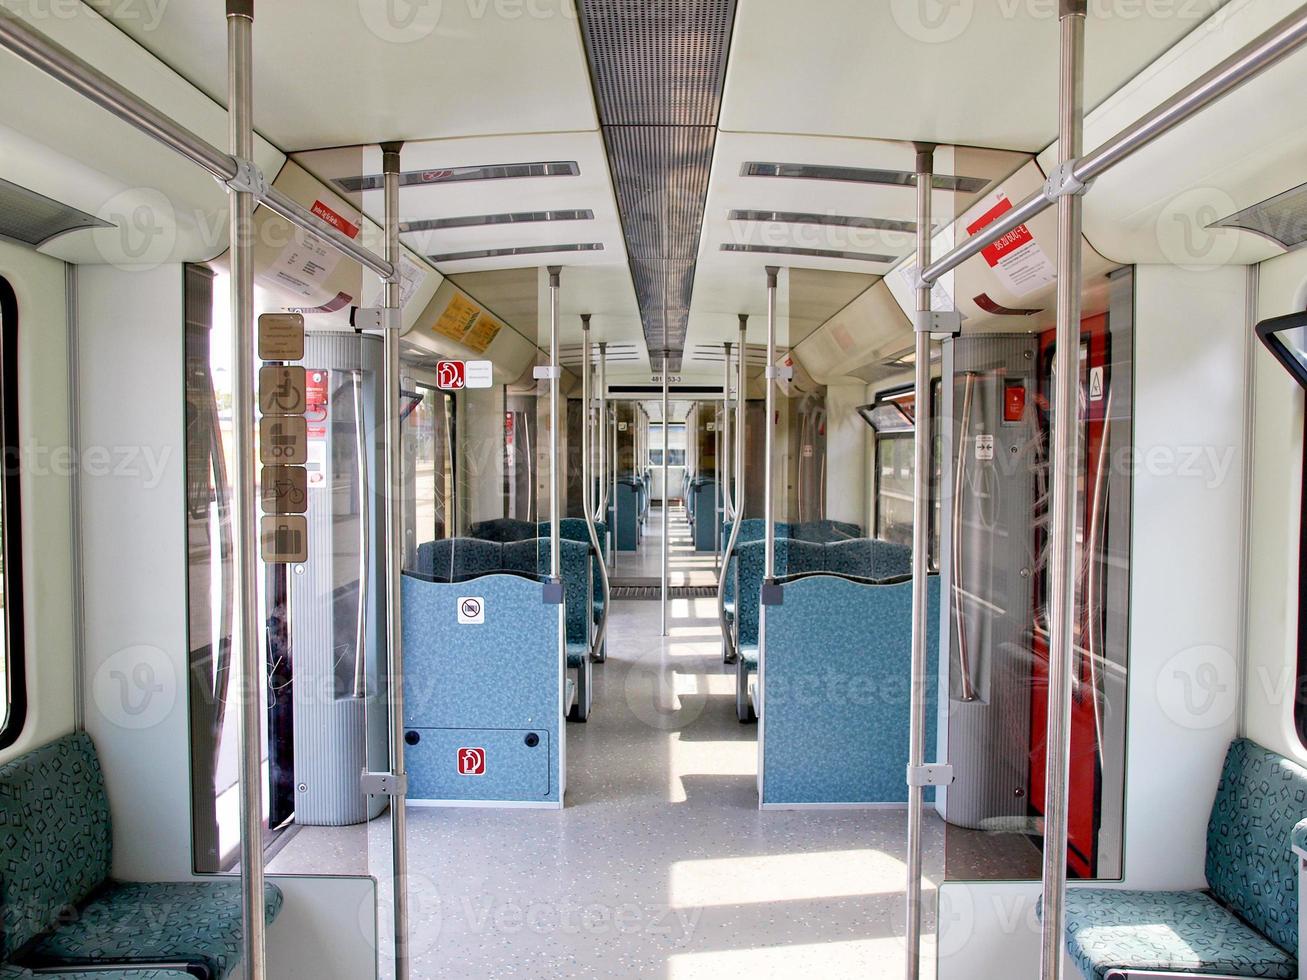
(375, 318)
(1062, 182)
(384, 784)
(249, 179)
(931, 774)
(945, 322)
(779, 373)
(545, 372)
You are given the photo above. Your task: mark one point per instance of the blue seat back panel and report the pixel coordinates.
(54, 826)
(705, 517)
(1250, 863)
(627, 504)
(532, 558)
(836, 696)
(500, 765)
(502, 675)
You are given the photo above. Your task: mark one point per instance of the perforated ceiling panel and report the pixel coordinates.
(33, 219)
(658, 70)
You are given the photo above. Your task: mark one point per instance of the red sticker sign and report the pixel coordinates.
(471, 762)
(451, 375)
(1013, 240)
(336, 220)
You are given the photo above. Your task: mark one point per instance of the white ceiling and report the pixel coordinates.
(970, 72)
(347, 72)
(470, 82)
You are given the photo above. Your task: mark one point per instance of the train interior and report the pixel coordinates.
(645, 509)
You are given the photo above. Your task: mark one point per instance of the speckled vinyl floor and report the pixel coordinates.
(661, 865)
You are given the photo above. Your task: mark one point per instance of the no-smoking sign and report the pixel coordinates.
(471, 611)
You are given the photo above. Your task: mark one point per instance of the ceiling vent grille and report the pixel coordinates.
(498, 253)
(1282, 219)
(658, 71)
(812, 253)
(860, 175)
(833, 220)
(33, 219)
(457, 175)
(483, 220)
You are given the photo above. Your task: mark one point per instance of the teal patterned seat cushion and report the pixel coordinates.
(190, 921)
(55, 841)
(11, 972)
(1187, 932)
(1251, 867)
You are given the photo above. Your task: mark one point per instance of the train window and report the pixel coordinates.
(12, 677)
(430, 427)
(675, 444)
(892, 416)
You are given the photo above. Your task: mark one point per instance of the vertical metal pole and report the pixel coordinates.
(587, 410)
(925, 168)
(1066, 437)
(769, 473)
(597, 651)
(728, 500)
(555, 559)
(667, 490)
(394, 516)
(240, 113)
(739, 420)
(603, 433)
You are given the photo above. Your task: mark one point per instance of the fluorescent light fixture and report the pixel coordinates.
(861, 175)
(507, 218)
(814, 253)
(495, 253)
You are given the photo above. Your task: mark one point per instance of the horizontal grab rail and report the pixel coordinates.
(62, 65)
(1245, 64)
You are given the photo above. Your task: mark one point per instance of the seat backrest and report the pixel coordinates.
(532, 557)
(868, 558)
(752, 558)
(825, 531)
(456, 559)
(503, 529)
(54, 825)
(1250, 863)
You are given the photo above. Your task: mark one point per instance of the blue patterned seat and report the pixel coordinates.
(502, 530)
(575, 529)
(191, 921)
(1186, 932)
(1248, 924)
(458, 559)
(60, 908)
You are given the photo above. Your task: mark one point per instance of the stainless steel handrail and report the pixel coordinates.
(365, 541)
(597, 646)
(1247, 63)
(59, 63)
(964, 655)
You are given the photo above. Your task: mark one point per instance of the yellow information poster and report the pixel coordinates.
(458, 318)
(483, 333)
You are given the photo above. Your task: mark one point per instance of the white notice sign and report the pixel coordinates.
(478, 374)
(985, 448)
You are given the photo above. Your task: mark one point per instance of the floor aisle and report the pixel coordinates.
(661, 865)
